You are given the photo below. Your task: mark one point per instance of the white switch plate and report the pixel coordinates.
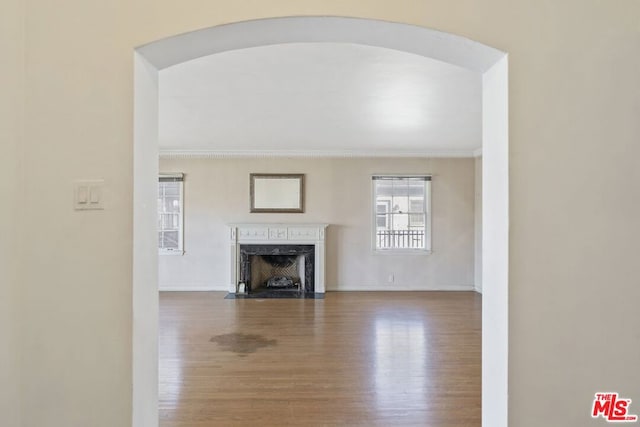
(88, 194)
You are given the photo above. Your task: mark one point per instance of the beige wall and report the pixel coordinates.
(574, 103)
(11, 119)
(338, 192)
(77, 310)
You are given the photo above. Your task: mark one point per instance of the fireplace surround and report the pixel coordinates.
(296, 249)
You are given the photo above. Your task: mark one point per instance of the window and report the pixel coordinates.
(401, 210)
(170, 213)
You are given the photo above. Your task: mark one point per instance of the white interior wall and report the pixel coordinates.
(477, 266)
(338, 192)
(145, 244)
(495, 244)
(11, 138)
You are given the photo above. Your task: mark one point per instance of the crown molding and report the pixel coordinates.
(217, 154)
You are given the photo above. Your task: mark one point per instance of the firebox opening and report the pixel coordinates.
(276, 272)
(277, 268)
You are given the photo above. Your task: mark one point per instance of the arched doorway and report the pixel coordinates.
(489, 62)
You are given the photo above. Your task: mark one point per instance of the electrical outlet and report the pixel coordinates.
(391, 278)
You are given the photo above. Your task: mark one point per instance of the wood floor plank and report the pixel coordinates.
(351, 359)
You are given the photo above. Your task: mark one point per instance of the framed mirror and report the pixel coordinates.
(277, 193)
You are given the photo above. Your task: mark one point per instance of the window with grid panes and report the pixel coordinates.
(401, 210)
(170, 213)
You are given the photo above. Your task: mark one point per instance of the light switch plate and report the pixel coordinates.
(88, 194)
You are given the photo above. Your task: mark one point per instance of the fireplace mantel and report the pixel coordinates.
(278, 234)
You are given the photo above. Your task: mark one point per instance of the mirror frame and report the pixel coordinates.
(298, 207)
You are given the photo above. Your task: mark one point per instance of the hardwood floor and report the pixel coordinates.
(351, 359)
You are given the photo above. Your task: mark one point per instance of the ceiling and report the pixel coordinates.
(322, 98)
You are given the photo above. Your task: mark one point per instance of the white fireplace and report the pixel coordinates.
(281, 237)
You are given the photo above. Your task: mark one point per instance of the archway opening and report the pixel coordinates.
(489, 62)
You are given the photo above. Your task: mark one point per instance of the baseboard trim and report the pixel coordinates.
(378, 288)
(338, 289)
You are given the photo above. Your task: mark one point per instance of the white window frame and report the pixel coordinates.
(427, 226)
(179, 177)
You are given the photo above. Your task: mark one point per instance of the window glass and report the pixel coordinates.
(170, 226)
(401, 205)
